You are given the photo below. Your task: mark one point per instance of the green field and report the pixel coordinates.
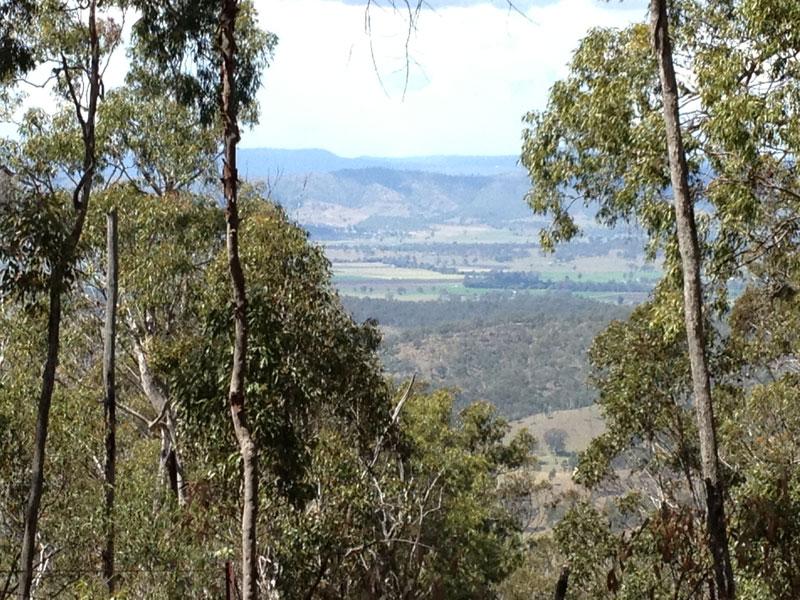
(380, 280)
(376, 271)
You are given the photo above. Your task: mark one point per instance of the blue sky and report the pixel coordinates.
(476, 68)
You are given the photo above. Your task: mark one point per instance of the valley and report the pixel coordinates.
(444, 227)
(443, 253)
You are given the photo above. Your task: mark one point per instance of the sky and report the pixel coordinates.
(476, 67)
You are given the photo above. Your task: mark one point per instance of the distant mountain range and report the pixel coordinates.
(263, 163)
(321, 189)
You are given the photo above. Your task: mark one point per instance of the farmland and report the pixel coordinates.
(428, 265)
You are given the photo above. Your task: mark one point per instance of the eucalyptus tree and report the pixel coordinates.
(248, 446)
(163, 159)
(74, 40)
(110, 396)
(689, 248)
(17, 56)
(241, 58)
(612, 135)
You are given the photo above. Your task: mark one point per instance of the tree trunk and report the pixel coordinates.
(110, 404)
(236, 392)
(80, 202)
(170, 462)
(561, 585)
(693, 306)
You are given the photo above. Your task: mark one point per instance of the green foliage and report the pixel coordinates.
(642, 373)
(155, 142)
(306, 358)
(428, 521)
(525, 354)
(16, 56)
(600, 139)
(759, 424)
(352, 502)
(168, 35)
(556, 440)
(165, 245)
(366, 491)
(32, 234)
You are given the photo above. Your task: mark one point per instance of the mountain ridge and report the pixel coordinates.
(263, 163)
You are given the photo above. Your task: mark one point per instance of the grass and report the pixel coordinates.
(406, 290)
(471, 234)
(368, 272)
(580, 424)
(422, 289)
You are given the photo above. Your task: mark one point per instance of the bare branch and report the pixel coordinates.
(392, 422)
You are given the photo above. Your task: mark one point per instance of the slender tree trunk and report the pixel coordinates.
(154, 390)
(693, 306)
(80, 202)
(110, 401)
(236, 393)
(561, 585)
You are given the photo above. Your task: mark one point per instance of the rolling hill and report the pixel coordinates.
(525, 353)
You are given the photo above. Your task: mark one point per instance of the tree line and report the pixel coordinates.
(531, 280)
(525, 354)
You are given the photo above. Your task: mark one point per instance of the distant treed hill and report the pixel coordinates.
(330, 193)
(321, 189)
(379, 198)
(488, 309)
(526, 353)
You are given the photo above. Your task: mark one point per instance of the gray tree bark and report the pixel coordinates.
(693, 306)
(165, 421)
(110, 400)
(236, 392)
(80, 200)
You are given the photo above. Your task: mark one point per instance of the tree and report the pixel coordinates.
(312, 371)
(77, 80)
(165, 244)
(605, 147)
(693, 304)
(424, 515)
(17, 56)
(110, 397)
(556, 440)
(248, 447)
(602, 140)
(67, 72)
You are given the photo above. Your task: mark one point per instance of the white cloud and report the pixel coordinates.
(476, 70)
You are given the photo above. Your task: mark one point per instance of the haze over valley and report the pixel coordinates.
(442, 251)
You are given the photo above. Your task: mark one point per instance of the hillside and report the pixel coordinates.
(376, 198)
(580, 426)
(525, 354)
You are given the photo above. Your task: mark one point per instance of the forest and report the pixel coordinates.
(524, 354)
(189, 409)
